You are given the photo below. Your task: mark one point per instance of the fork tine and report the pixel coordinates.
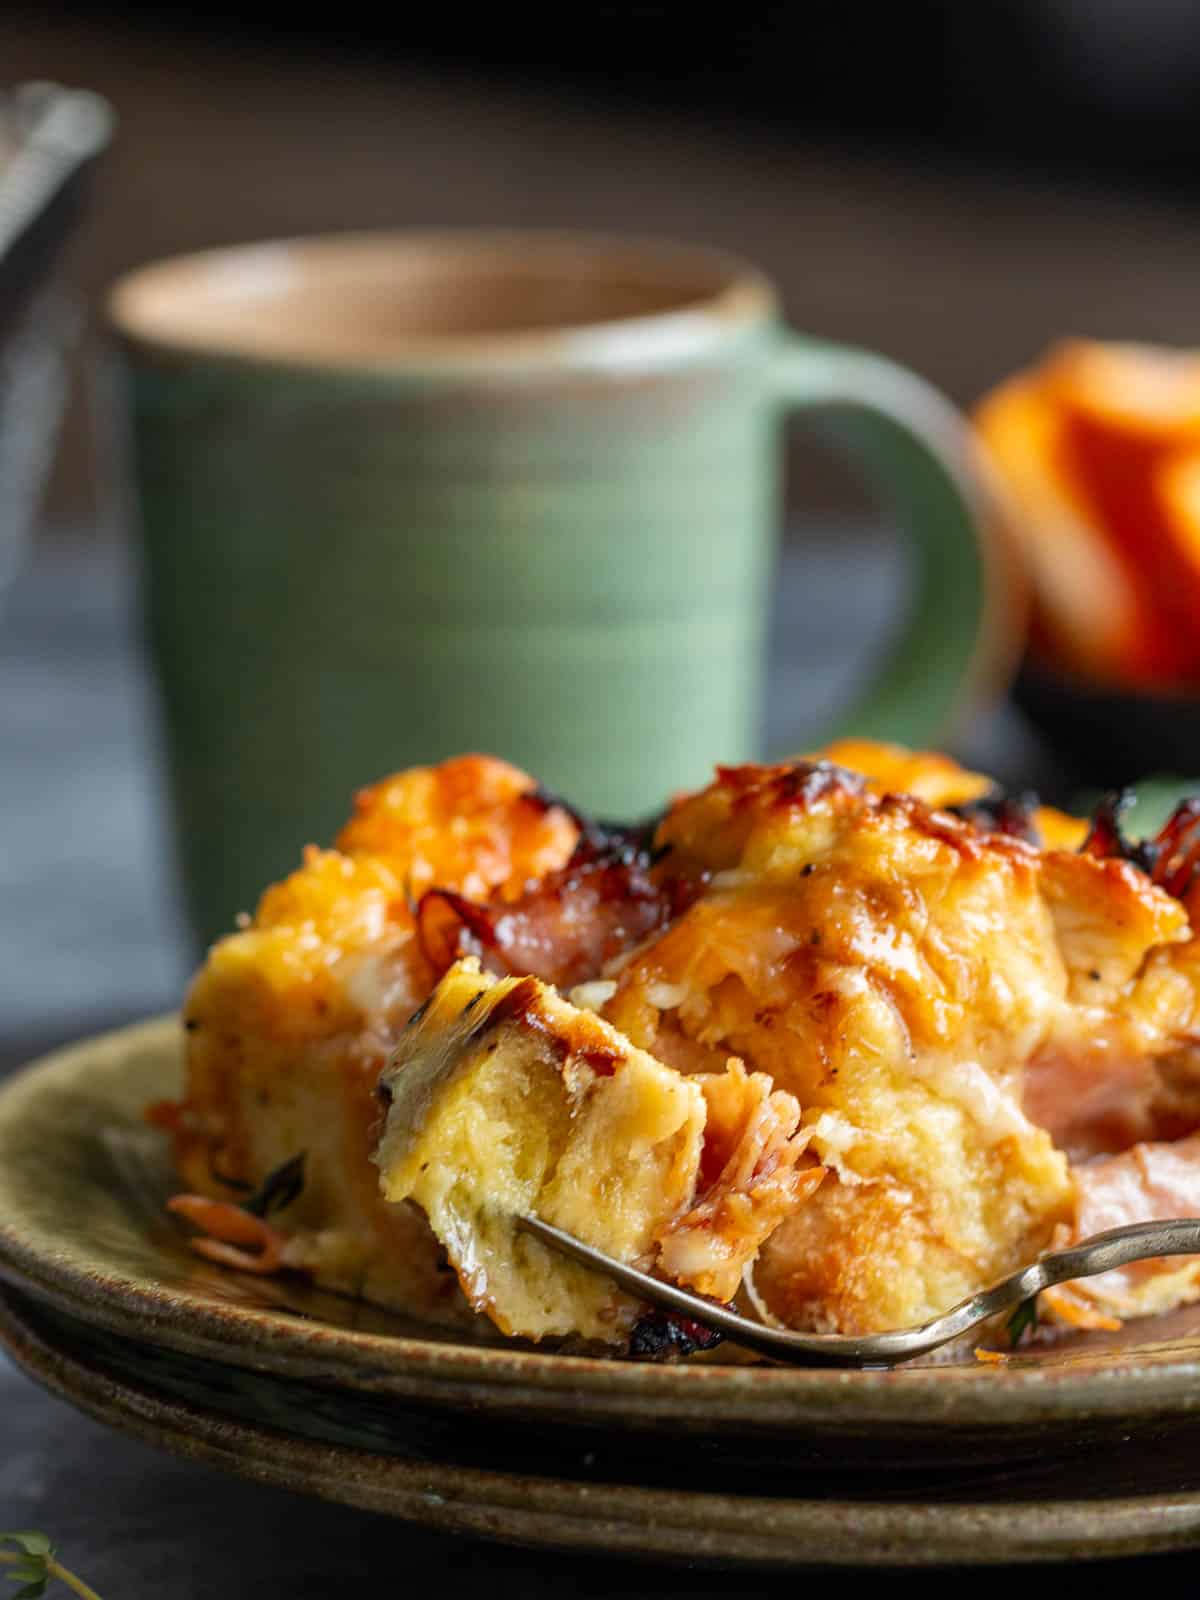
(1118, 1247)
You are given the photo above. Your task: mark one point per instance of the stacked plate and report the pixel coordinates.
(1083, 1448)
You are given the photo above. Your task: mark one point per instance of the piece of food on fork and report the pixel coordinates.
(505, 1099)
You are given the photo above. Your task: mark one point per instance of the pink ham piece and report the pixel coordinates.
(1147, 1183)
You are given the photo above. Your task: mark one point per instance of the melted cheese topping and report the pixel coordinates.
(939, 1018)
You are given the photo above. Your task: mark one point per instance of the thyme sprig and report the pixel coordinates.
(30, 1558)
(1023, 1319)
(278, 1189)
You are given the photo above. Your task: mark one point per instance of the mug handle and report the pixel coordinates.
(964, 630)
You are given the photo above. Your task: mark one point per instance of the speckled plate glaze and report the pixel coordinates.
(1087, 1447)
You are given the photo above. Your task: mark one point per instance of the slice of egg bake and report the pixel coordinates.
(847, 1036)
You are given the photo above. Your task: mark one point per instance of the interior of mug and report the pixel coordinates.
(375, 299)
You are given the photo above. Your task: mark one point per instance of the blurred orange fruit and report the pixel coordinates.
(1099, 448)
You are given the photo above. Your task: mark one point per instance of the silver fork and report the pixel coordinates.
(1141, 1241)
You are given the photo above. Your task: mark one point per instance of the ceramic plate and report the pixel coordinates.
(940, 1461)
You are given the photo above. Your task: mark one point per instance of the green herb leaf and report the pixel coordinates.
(1024, 1319)
(31, 1542)
(35, 1567)
(278, 1189)
(24, 1570)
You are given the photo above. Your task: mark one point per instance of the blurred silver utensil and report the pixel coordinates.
(1103, 1252)
(49, 138)
(47, 135)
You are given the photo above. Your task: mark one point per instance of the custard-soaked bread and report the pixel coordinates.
(506, 1099)
(290, 1021)
(869, 1037)
(921, 982)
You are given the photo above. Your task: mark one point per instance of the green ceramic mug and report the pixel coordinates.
(408, 495)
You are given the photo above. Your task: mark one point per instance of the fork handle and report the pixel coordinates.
(1103, 1252)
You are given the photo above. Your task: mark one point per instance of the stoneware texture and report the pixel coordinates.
(408, 495)
(1087, 1447)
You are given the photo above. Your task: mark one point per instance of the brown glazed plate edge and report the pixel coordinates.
(698, 1526)
(57, 1246)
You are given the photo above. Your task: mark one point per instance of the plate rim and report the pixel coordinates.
(447, 1372)
(715, 1528)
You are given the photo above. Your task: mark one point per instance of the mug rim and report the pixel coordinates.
(739, 299)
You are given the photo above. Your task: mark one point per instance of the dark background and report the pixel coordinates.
(1052, 82)
(954, 184)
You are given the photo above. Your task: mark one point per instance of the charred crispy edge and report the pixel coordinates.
(800, 783)
(616, 841)
(997, 816)
(1105, 838)
(1000, 811)
(1171, 859)
(522, 1006)
(617, 859)
(618, 874)
(945, 825)
(477, 920)
(661, 1335)
(1176, 848)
